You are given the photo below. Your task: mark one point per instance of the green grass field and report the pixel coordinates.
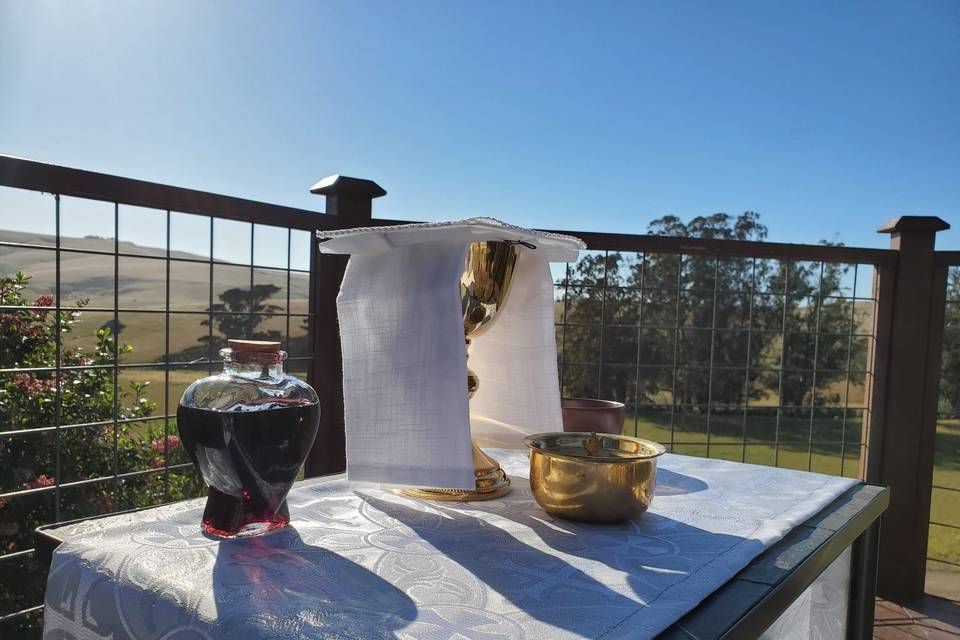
(945, 504)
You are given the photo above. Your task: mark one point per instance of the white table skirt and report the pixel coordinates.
(363, 562)
(821, 610)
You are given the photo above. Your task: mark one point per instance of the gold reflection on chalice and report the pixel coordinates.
(484, 287)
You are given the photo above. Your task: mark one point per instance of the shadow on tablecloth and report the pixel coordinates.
(552, 585)
(312, 591)
(671, 483)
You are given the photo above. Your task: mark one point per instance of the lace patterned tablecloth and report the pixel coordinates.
(363, 562)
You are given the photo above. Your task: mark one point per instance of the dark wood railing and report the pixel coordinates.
(66, 181)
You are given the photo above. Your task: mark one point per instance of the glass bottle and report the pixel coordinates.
(249, 430)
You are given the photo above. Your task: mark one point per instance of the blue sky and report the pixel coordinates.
(827, 118)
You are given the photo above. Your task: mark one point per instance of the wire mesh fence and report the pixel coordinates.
(747, 359)
(943, 553)
(108, 312)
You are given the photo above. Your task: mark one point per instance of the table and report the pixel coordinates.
(726, 550)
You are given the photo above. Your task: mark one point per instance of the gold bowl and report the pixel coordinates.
(593, 477)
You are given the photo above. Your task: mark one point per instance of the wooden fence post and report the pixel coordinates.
(351, 201)
(901, 420)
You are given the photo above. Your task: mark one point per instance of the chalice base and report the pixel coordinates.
(492, 483)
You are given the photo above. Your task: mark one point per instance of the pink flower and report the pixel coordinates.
(41, 481)
(3, 502)
(29, 385)
(156, 463)
(172, 443)
(41, 314)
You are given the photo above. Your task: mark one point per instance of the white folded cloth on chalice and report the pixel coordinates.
(406, 408)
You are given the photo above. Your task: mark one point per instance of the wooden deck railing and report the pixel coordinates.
(905, 338)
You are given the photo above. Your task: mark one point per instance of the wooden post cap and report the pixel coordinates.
(259, 346)
(337, 184)
(914, 223)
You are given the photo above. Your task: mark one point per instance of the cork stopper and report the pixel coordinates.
(256, 346)
(254, 352)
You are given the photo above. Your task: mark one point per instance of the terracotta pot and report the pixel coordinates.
(588, 415)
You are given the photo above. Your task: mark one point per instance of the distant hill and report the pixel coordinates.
(141, 286)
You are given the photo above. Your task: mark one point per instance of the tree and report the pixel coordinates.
(950, 371)
(714, 311)
(115, 326)
(705, 331)
(818, 319)
(239, 314)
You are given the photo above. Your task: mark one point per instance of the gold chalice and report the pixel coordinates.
(484, 287)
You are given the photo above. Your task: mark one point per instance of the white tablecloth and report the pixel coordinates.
(366, 563)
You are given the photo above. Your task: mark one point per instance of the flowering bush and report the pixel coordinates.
(83, 393)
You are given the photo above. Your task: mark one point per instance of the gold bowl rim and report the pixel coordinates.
(534, 441)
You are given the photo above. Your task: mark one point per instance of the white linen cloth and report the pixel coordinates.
(367, 563)
(404, 369)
